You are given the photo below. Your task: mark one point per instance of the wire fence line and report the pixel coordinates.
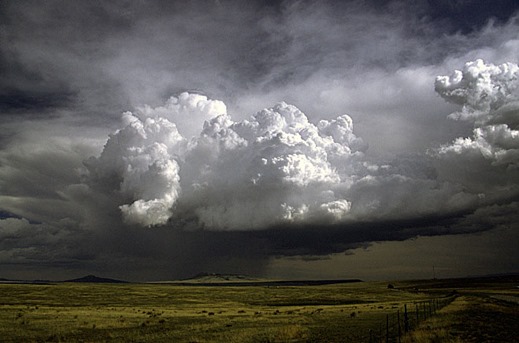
(406, 319)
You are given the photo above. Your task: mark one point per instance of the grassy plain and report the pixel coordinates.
(172, 313)
(69, 312)
(470, 319)
(485, 310)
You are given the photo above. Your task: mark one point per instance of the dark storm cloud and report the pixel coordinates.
(97, 58)
(23, 90)
(50, 55)
(140, 52)
(23, 101)
(229, 195)
(466, 16)
(323, 240)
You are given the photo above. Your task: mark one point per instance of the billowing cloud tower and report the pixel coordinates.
(489, 95)
(189, 161)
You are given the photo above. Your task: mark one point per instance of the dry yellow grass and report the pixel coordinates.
(165, 313)
(470, 318)
(173, 313)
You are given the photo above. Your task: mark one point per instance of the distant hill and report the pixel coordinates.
(215, 277)
(95, 279)
(2, 280)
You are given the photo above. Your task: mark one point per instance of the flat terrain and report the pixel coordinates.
(485, 310)
(471, 319)
(71, 312)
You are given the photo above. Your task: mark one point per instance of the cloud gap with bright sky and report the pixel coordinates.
(291, 139)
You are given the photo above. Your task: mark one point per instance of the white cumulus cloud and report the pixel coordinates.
(272, 168)
(140, 161)
(276, 167)
(485, 91)
(489, 96)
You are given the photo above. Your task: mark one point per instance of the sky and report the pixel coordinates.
(154, 140)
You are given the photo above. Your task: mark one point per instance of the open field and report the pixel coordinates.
(70, 312)
(485, 310)
(470, 319)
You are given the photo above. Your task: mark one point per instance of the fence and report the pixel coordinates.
(404, 320)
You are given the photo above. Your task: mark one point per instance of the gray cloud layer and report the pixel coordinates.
(208, 156)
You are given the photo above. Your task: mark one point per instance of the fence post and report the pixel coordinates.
(387, 328)
(406, 319)
(394, 332)
(399, 327)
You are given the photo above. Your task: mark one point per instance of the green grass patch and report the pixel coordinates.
(164, 313)
(173, 313)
